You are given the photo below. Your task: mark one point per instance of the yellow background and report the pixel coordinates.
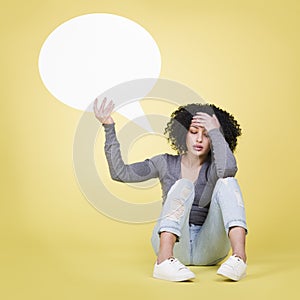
(240, 55)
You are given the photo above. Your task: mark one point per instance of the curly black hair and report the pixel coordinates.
(180, 122)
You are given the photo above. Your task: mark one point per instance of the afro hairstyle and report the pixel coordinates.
(181, 118)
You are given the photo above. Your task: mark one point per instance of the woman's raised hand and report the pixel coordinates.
(205, 120)
(103, 114)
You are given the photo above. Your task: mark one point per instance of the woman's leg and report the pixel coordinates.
(171, 233)
(237, 236)
(226, 212)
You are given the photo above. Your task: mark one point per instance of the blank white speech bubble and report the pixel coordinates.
(88, 54)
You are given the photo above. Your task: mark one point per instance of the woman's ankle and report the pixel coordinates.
(163, 257)
(242, 256)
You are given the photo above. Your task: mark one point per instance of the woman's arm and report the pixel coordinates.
(222, 157)
(223, 160)
(120, 171)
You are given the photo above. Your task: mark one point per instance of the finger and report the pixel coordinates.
(109, 108)
(193, 123)
(200, 120)
(197, 124)
(102, 104)
(112, 107)
(95, 105)
(96, 109)
(111, 104)
(196, 120)
(202, 114)
(216, 119)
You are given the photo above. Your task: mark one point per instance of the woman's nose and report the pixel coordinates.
(199, 137)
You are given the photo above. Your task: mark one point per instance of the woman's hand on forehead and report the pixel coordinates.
(205, 120)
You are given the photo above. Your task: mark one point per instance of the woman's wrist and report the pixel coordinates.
(107, 121)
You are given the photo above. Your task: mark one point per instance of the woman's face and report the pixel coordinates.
(197, 141)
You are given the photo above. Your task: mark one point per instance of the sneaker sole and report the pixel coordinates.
(231, 276)
(181, 278)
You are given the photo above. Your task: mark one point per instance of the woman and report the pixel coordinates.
(203, 212)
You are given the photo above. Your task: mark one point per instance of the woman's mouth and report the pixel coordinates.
(198, 147)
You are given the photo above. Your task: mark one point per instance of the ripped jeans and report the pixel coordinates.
(207, 244)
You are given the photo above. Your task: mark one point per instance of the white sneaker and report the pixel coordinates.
(233, 268)
(173, 270)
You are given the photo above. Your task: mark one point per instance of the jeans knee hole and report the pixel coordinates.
(185, 192)
(177, 210)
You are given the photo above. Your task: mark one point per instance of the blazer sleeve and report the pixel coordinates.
(119, 171)
(223, 162)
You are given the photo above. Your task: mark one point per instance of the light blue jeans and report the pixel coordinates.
(207, 244)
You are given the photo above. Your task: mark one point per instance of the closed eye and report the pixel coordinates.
(193, 131)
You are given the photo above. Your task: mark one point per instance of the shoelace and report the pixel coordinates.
(177, 263)
(233, 262)
(239, 259)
